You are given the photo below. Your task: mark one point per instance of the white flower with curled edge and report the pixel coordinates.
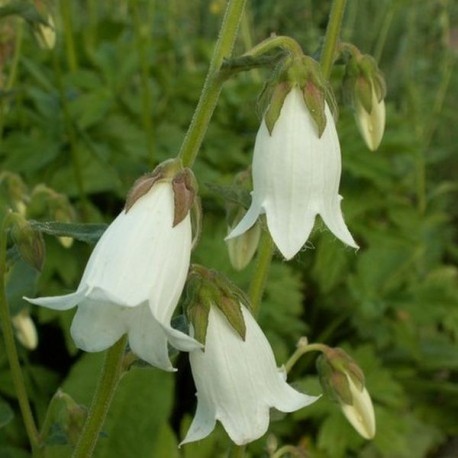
(236, 375)
(136, 273)
(296, 161)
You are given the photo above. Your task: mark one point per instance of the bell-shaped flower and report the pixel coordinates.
(296, 175)
(238, 381)
(135, 276)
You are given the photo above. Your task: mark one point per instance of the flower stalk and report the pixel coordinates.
(106, 387)
(10, 346)
(213, 83)
(332, 36)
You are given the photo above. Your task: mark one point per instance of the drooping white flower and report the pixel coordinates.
(296, 176)
(361, 412)
(133, 281)
(238, 382)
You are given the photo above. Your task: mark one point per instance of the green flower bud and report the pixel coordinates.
(343, 380)
(29, 242)
(64, 420)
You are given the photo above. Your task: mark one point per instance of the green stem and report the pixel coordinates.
(12, 72)
(261, 272)
(302, 350)
(66, 12)
(11, 350)
(143, 42)
(280, 41)
(213, 83)
(109, 379)
(332, 36)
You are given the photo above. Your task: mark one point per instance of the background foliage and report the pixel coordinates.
(115, 96)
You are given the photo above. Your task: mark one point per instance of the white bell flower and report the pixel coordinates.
(238, 382)
(133, 281)
(296, 176)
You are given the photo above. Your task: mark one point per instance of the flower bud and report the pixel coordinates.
(343, 380)
(26, 332)
(366, 90)
(47, 203)
(45, 33)
(29, 242)
(241, 249)
(64, 418)
(14, 192)
(45, 30)
(207, 288)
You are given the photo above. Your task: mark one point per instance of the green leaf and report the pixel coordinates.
(6, 413)
(141, 406)
(21, 281)
(89, 233)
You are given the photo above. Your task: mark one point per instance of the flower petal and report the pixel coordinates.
(333, 218)
(246, 222)
(203, 423)
(58, 302)
(147, 338)
(137, 257)
(96, 326)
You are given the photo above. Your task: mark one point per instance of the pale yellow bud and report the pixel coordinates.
(371, 125)
(46, 34)
(26, 331)
(361, 412)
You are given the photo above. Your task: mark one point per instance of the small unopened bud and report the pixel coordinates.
(26, 332)
(366, 90)
(66, 417)
(29, 242)
(45, 34)
(14, 192)
(241, 249)
(371, 124)
(343, 381)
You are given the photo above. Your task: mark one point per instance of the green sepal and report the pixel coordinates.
(279, 93)
(142, 186)
(334, 383)
(167, 171)
(184, 186)
(208, 288)
(314, 98)
(197, 314)
(232, 310)
(363, 93)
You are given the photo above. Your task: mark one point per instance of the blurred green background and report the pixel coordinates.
(80, 122)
